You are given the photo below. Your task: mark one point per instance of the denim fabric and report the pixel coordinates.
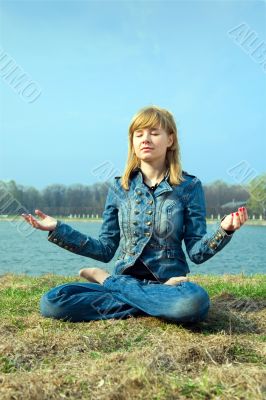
(140, 271)
(149, 226)
(122, 296)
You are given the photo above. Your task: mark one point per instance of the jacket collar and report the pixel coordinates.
(163, 186)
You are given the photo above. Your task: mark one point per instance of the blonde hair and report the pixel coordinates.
(150, 117)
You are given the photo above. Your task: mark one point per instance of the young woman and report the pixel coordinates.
(149, 211)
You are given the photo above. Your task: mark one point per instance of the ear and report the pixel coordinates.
(170, 140)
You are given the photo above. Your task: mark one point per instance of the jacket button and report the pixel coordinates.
(147, 234)
(135, 233)
(150, 202)
(135, 222)
(132, 253)
(213, 245)
(55, 240)
(136, 212)
(137, 201)
(134, 243)
(139, 193)
(149, 212)
(148, 223)
(60, 243)
(66, 247)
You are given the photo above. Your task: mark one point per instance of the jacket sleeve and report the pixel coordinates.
(200, 245)
(101, 249)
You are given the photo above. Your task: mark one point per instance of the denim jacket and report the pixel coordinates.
(149, 226)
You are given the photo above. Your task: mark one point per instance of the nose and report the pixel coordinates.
(146, 137)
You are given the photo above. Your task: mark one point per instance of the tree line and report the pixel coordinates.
(61, 200)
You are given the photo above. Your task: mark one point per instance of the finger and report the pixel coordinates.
(245, 213)
(31, 219)
(241, 215)
(40, 214)
(34, 222)
(227, 223)
(236, 221)
(26, 217)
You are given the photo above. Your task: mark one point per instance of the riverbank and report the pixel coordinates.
(137, 358)
(16, 218)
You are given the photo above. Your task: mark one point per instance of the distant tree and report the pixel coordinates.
(82, 199)
(257, 200)
(53, 198)
(32, 199)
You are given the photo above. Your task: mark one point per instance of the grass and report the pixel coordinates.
(136, 358)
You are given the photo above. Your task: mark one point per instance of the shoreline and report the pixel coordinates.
(66, 219)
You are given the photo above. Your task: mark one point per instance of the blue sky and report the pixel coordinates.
(98, 62)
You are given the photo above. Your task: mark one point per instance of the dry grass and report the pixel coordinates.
(137, 358)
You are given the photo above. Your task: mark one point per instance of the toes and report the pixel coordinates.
(178, 280)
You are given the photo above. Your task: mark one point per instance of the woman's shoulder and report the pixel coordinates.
(183, 172)
(190, 177)
(188, 174)
(189, 180)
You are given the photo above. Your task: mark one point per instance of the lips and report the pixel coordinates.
(146, 148)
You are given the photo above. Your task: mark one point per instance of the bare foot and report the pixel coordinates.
(175, 280)
(95, 275)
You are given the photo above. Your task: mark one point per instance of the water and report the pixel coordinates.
(34, 255)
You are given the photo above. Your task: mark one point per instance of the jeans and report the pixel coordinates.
(122, 296)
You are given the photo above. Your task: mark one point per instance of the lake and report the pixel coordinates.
(33, 254)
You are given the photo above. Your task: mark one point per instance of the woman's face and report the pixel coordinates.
(151, 144)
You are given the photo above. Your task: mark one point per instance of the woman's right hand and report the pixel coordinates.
(46, 223)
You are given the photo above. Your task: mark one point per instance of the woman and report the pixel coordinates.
(148, 212)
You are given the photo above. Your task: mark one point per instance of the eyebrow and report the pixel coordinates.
(150, 129)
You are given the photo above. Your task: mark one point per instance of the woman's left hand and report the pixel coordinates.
(235, 220)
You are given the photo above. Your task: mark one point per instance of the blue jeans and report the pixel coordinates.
(122, 296)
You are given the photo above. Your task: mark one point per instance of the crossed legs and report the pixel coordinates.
(98, 275)
(109, 296)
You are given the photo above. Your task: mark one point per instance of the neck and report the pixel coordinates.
(153, 173)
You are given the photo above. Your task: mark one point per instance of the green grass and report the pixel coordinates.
(222, 357)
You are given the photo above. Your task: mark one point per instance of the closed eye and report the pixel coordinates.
(138, 134)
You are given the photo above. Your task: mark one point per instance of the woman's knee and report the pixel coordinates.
(199, 300)
(194, 306)
(198, 304)
(53, 305)
(49, 308)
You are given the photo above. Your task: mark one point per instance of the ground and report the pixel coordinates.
(136, 358)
